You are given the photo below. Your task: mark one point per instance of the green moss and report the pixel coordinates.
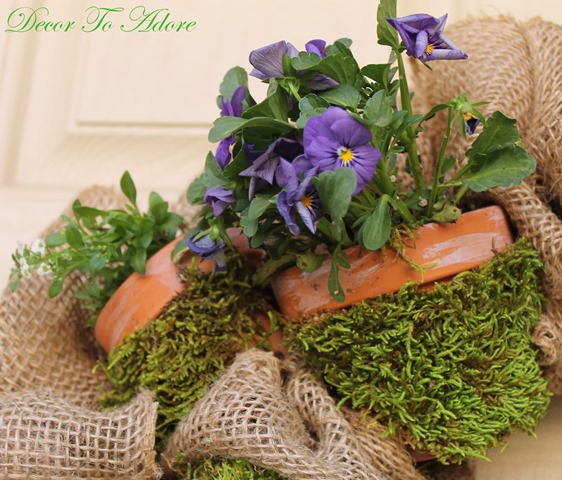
(221, 469)
(180, 353)
(450, 370)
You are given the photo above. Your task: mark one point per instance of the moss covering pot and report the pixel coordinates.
(436, 251)
(142, 297)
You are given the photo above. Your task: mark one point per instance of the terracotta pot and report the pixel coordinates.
(443, 250)
(141, 298)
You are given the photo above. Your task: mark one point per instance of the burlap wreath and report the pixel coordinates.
(518, 68)
(264, 409)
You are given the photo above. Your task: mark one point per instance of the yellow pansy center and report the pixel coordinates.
(345, 154)
(307, 201)
(429, 49)
(468, 116)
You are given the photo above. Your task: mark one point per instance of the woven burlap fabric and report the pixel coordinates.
(517, 66)
(47, 437)
(277, 415)
(46, 347)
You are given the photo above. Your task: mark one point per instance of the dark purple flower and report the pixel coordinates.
(268, 63)
(316, 46)
(219, 199)
(470, 123)
(298, 197)
(335, 139)
(207, 248)
(263, 168)
(423, 37)
(230, 108)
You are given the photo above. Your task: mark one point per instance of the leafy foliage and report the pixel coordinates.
(106, 246)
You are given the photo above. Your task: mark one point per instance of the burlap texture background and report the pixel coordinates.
(517, 66)
(49, 425)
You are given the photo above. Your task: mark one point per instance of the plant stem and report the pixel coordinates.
(439, 164)
(294, 91)
(407, 105)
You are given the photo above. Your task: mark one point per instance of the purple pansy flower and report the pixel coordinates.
(219, 198)
(423, 37)
(335, 139)
(230, 108)
(298, 197)
(207, 248)
(268, 63)
(316, 46)
(263, 168)
(470, 123)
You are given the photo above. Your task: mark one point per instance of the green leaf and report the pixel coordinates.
(73, 236)
(258, 206)
(311, 106)
(500, 166)
(55, 239)
(213, 175)
(81, 211)
(335, 189)
(157, 207)
(343, 95)
(234, 78)
(249, 225)
(196, 191)
(138, 260)
(498, 130)
(275, 105)
(56, 287)
(225, 126)
(449, 214)
(339, 259)
(271, 267)
(309, 262)
(305, 61)
(377, 72)
(128, 187)
(385, 33)
(341, 68)
(378, 109)
(376, 229)
(180, 248)
(237, 165)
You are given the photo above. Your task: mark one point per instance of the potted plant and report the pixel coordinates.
(320, 177)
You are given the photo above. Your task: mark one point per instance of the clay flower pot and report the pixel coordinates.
(141, 298)
(443, 250)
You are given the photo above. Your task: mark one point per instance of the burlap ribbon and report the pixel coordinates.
(517, 66)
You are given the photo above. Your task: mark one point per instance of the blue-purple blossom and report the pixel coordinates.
(316, 46)
(423, 37)
(268, 63)
(298, 197)
(230, 108)
(263, 168)
(219, 199)
(335, 139)
(207, 249)
(470, 123)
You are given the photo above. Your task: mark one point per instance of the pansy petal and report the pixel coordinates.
(237, 99)
(287, 213)
(286, 176)
(223, 154)
(268, 61)
(438, 54)
(420, 48)
(307, 216)
(316, 46)
(321, 82)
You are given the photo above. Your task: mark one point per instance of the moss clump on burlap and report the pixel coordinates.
(187, 347)
(450, 370)
(221, 469)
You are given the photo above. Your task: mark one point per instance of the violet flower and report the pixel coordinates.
(268, 63)
(230, 108)
(316, 46)
(207, 249)
(219, 199)
(298, 197)
(335, 139)
(470, 123)
(263, 168)
(423, 37)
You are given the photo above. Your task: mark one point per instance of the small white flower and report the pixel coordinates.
(21, 248)
(44, 269)
(393, 178)
(422, 202)
(38, 246)
(25, 270)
